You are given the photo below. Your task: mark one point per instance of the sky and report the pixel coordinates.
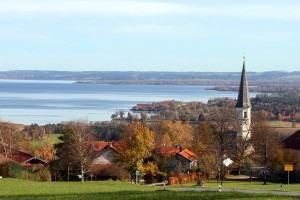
(149, 35)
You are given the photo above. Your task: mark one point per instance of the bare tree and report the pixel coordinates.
(242, 150)
(265, 143)
(76, 151)
(223, 124)
(9, 138)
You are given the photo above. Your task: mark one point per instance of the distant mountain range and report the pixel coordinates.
(138, 77)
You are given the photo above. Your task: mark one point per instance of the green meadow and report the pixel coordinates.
(109, 190)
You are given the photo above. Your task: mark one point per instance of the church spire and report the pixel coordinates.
(243, 100)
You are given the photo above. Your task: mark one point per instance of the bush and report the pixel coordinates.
(161, 176)
(153, 178)
(11, 169)
(149, 178)
(43, 175)
(25, 175)
(35, 174)
(16, 170)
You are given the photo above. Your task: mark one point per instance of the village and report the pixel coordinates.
(228, 142)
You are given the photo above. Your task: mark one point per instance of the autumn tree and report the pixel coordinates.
(266, 145)
(202, 146)
(46, 149)
(136, 143)
(174, 133)
(286, 156)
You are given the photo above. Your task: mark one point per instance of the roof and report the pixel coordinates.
(101, 145)
(189, 155)
(23, 158)
(172, 151)
(243, 100)
(293, 141)
(167, 151)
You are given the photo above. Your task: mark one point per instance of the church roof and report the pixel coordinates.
(243, 100)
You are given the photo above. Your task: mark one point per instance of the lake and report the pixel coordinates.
(44, 102)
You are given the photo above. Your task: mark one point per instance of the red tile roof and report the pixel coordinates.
(99, 145)
(293, 141)
(188, 155)
(117, 146)
(167, 151)
(172, 151)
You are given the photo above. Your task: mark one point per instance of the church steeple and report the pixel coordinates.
(243, 106)
(243, 100)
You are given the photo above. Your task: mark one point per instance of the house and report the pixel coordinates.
(18, 156)
(24, 158)
(170, 159)
(293, 141)
(105, 166)
(175, 159)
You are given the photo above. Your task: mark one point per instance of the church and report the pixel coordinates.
(243, 106)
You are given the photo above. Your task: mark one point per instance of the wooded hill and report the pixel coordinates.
(269, 78)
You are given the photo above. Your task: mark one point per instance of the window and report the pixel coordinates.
(245, 115)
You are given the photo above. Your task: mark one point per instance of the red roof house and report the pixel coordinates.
(178, 160)
(104, 165)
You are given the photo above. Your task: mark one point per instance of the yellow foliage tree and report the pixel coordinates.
(136, 143)
(173, 133)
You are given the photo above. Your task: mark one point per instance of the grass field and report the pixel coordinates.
(283, 124)
(284, 128)
(109, 190)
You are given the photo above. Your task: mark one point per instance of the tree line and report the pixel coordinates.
(213, 140)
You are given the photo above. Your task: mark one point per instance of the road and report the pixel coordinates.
(243, 191)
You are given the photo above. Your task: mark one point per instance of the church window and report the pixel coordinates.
(245, 115)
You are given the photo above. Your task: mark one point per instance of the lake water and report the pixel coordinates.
(44, 102)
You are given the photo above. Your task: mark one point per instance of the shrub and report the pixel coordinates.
(153, 178)
(43, 175)
(25, 175)
(149, 178)
(35, 174)
(161, 176)
(11, 169)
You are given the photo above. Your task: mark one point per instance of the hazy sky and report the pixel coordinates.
(149, 35)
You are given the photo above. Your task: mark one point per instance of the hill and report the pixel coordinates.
(160, 78)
